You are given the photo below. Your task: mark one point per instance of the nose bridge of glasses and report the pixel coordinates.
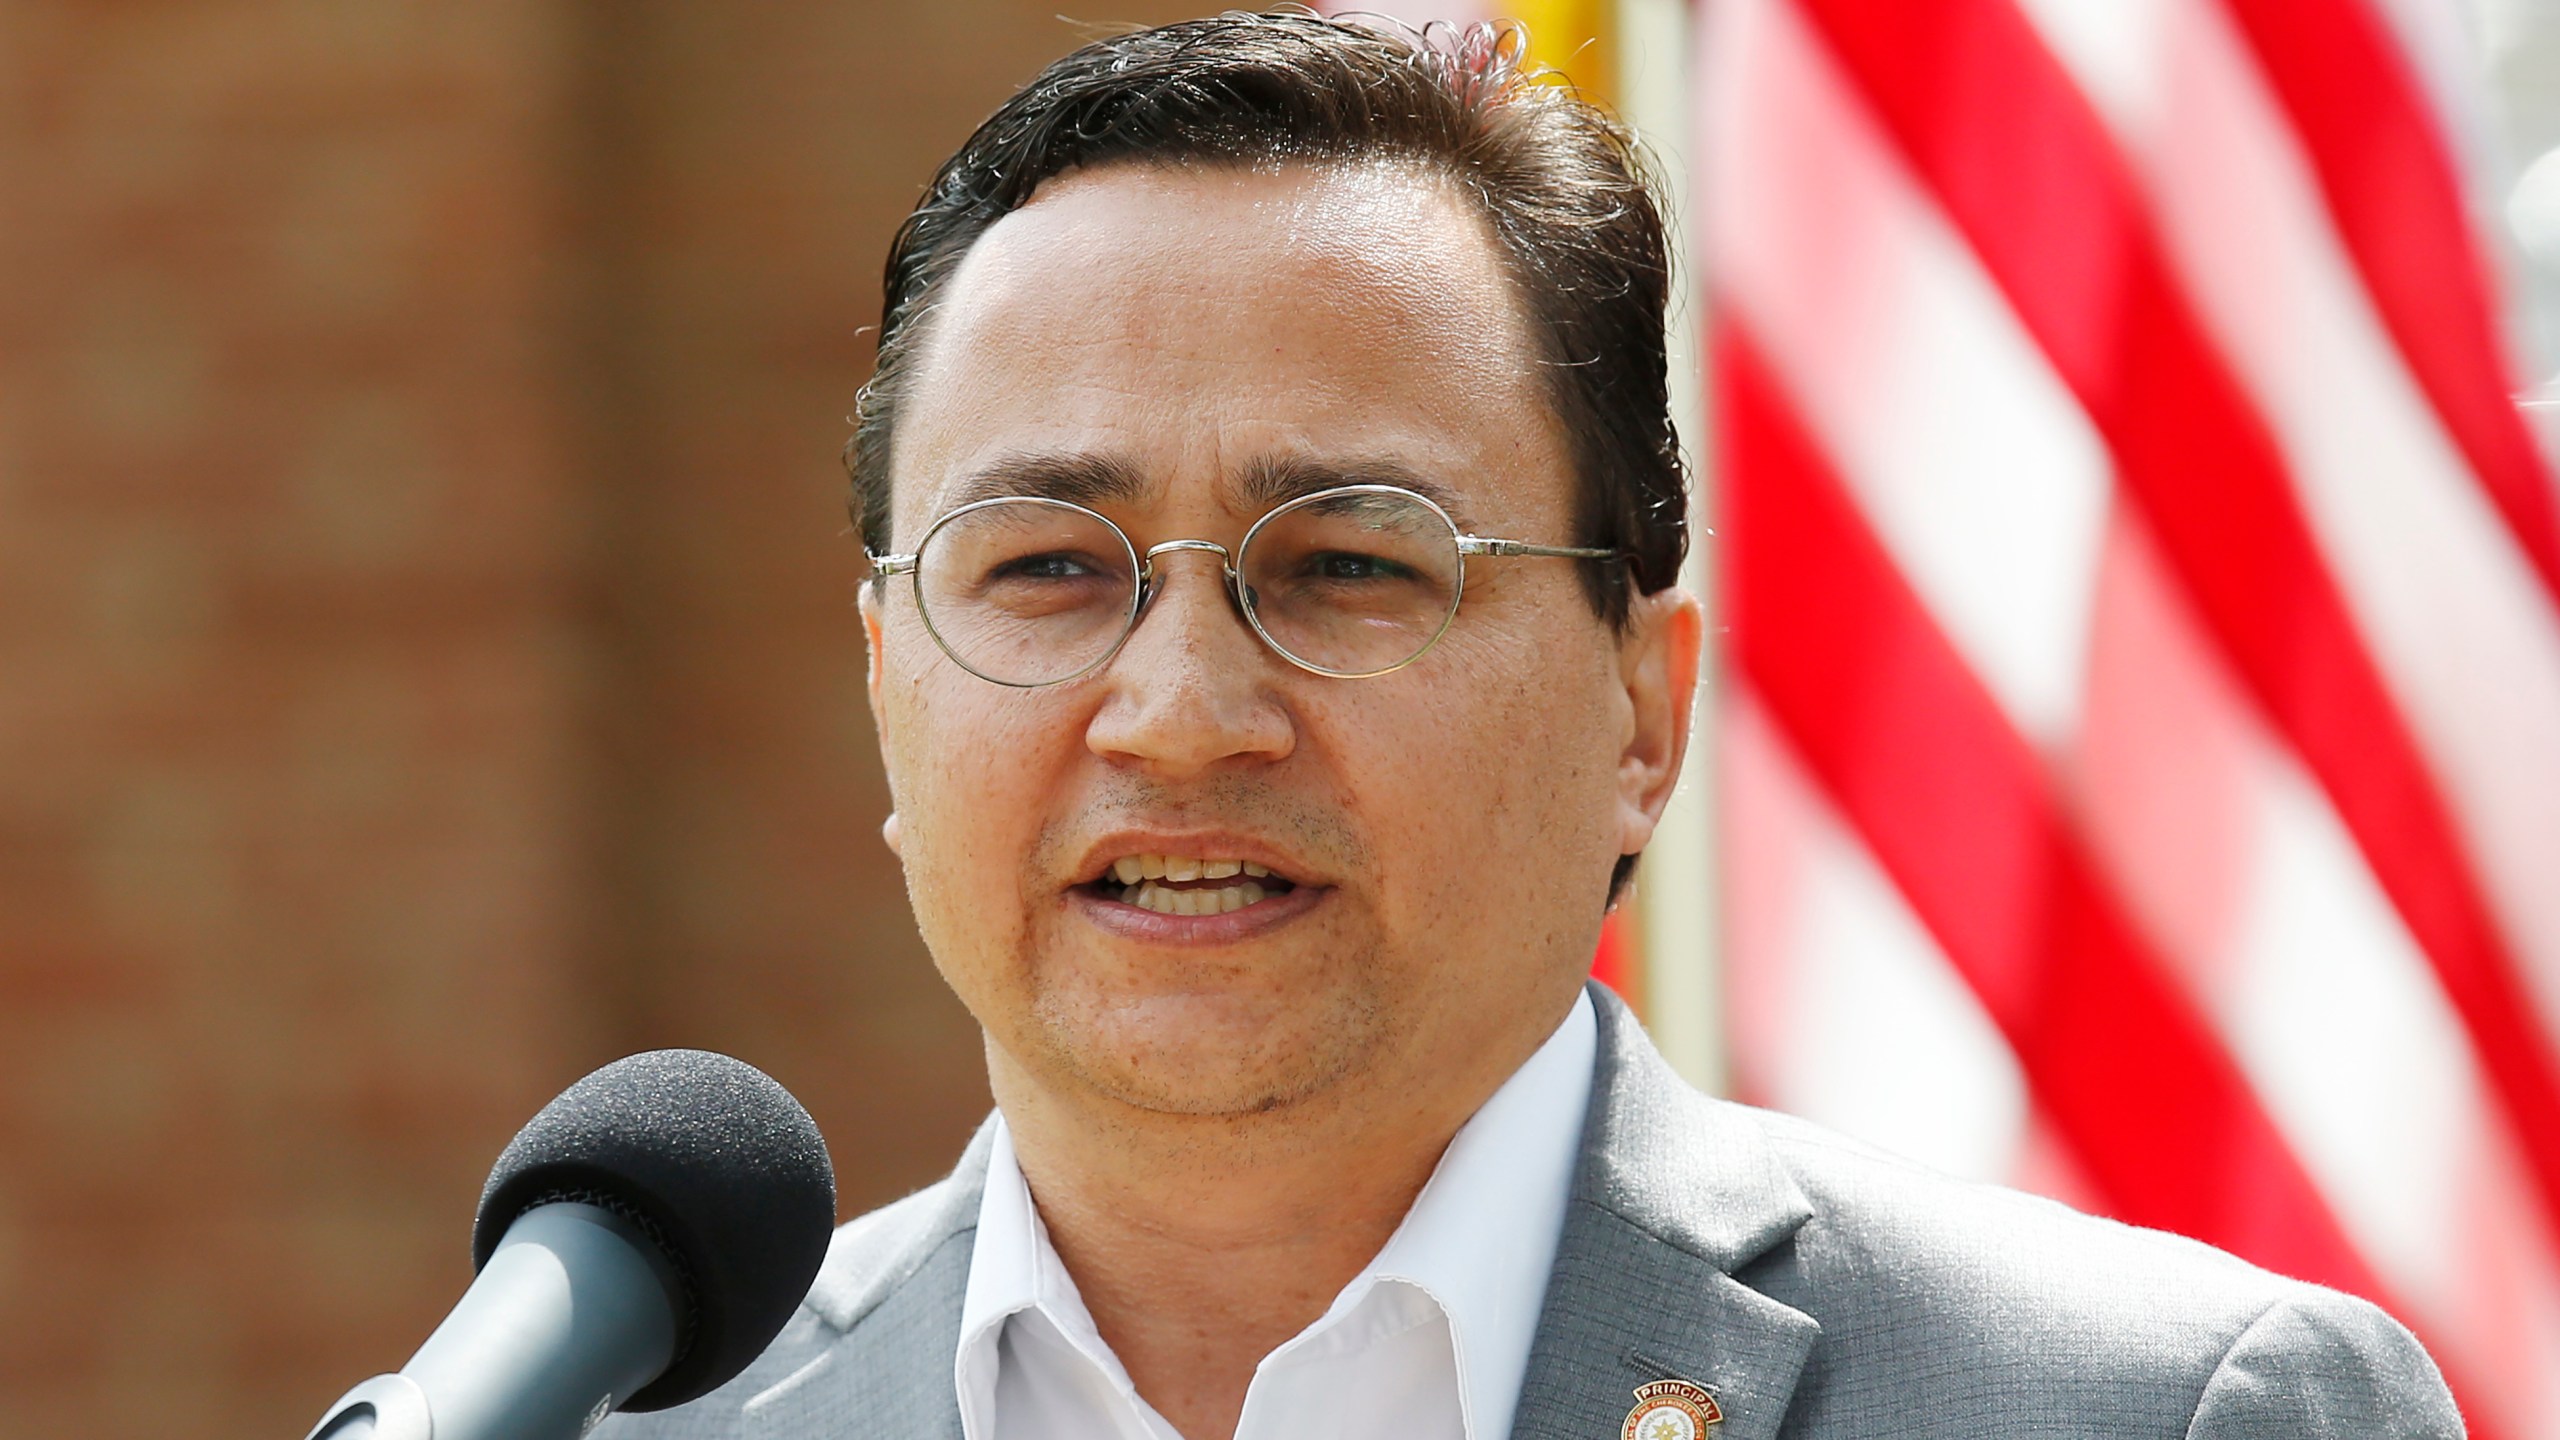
(1226, 557)
(1149, 580)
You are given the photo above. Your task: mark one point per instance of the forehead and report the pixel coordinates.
(1198, 328)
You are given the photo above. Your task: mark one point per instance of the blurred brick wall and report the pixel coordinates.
(427, 655)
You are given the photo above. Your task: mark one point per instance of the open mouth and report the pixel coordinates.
(1188, 884)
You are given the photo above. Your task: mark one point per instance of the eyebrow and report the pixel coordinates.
(1078, 479)
(1268, 483)
(1264, 484)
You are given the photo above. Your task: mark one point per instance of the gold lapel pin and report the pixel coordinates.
(1671, 1410)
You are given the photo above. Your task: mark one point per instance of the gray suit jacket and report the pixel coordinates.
(1815, 1286)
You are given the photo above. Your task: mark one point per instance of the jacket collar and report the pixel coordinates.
(1673, 1194)
(892, 1285)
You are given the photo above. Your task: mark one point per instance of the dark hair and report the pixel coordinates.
(1561, 182)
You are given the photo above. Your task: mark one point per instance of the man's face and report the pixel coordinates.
(1439, 839)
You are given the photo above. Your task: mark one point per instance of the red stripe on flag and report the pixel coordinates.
(1613, 959)
(2027, 172)
(2393, 193)
(1955, 805)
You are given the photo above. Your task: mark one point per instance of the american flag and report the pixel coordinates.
(2136, 746)
(2141, 735)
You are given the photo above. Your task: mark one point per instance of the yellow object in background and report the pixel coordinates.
(1574, 38)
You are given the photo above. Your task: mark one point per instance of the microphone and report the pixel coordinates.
(639, 1242)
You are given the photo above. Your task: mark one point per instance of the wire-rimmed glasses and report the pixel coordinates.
(1350, 582)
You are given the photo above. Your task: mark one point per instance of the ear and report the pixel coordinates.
(867, 599)
(1658, 661)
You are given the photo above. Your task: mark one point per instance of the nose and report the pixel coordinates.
(1191, 688)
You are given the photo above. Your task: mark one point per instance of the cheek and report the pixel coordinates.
(969, 771)
(1506, 784)
(951, 742)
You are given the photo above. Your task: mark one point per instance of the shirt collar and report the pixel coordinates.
(1481, 1237)
(1479, 1241)
(1013, 1267)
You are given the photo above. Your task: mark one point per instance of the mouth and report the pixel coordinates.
(1188, 885)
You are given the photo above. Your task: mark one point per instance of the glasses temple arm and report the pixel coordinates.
(1488, 545)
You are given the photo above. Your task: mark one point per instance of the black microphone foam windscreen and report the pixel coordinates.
(716, 1161)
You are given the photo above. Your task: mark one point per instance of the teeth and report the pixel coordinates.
(1130, 869)
(1165, 900)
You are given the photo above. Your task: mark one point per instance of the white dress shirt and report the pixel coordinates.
(1430, 1342)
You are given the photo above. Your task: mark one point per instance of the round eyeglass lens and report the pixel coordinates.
(1352, 582)
(1026, 591)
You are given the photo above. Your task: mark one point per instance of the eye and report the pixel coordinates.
(1352, 565)
(1053, 565)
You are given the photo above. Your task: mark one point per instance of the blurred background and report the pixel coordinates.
(428, 665)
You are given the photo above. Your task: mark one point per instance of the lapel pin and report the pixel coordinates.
(1671, 1410)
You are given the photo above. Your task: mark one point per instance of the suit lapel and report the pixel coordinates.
(1673, 1194)
(889, 1372)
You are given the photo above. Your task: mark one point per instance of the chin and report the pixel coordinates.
(1208, 1054)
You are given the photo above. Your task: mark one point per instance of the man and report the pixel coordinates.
(1278, 666)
